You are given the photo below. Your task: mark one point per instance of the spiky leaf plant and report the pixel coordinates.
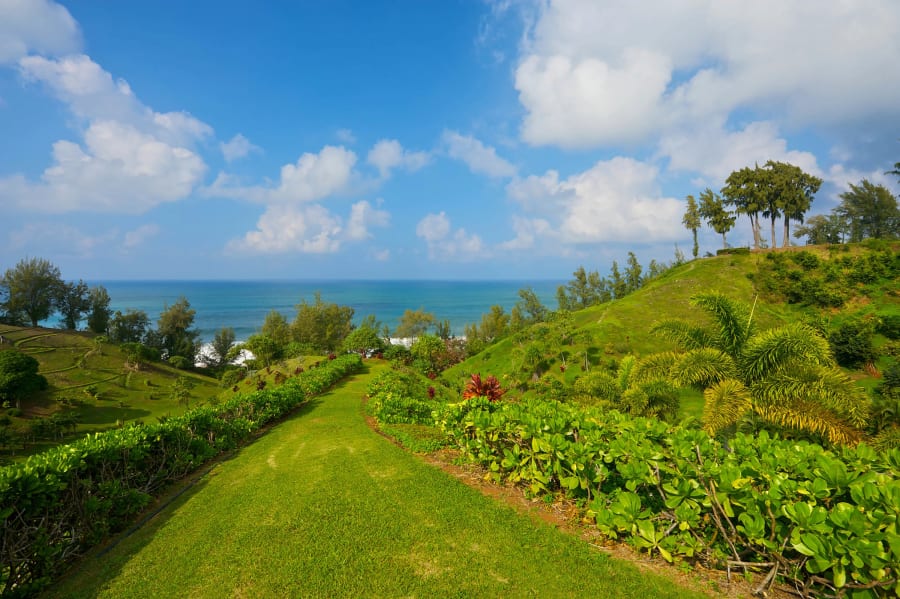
(786, 375)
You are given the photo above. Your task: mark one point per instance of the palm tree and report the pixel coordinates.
(785, 376)
(639, 388)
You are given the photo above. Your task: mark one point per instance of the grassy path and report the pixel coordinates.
(323, 507)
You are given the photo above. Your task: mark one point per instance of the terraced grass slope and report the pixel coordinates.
(89, 381)
(322, 506)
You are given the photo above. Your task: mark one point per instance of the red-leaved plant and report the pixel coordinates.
(478, 387)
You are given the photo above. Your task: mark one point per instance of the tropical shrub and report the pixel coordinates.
(402, 397)
(824, 521)
(639, 388)
(478, 387)
(59, 503)
(851, 343)
(784, 376)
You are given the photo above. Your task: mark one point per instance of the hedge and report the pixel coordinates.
(827, 522)
(59, 503)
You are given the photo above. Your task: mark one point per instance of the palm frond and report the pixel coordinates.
(703, 367)
(771, 350)
(688, 336)
(813, 417)
(887, 439)
(725, 403)
(623, 374)
(654, 367)
(836, 390)
(662, 399)
(731, 319)
(825, 386)
(597, 385)
(634, 401)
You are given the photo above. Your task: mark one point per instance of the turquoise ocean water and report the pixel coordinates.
(243, 305)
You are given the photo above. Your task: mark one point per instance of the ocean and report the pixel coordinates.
(243, 305)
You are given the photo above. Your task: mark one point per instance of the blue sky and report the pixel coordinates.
(469, 139)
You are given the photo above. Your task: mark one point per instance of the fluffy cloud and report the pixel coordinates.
(237, 147)
(435, 229)
(313, 177)
(119, 169)
(388, 154)
(531, 233)
(131, 158)
(309, 229)
(715, 152)
(701, 59)
(92, 94)
(478, 157)
(615, 200)
(39, 26)
(578, 103)
(364, 216)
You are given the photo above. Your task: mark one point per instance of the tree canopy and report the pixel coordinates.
(691, 221)
(129, 327)
(870, 211)
(31, 288)
(321, 325)
(176, 336)
(414, 323)
(72, 301)
(19, 376)
(775, 190)
(712, 209)
(99, 315)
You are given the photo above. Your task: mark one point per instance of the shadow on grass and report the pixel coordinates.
(105, 562)
(109, 414)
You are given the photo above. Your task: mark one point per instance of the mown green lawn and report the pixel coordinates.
(322, 506)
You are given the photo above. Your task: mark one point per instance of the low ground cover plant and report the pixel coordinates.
(826, 522)
(61, 502)
(404, 397)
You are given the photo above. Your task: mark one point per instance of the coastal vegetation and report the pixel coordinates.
(737, 411)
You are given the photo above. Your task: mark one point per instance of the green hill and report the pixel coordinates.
(90, 389)
(781, 285)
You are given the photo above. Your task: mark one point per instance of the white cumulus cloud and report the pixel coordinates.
(447, 245)
(715, 152)
(309, 229)
(313, 177)
(364, 216)
(615, 200)
(131, 158)
(478, 157)
(36, 26)
(237, 147)
(599, 73)
(388, 154)
(118, 169)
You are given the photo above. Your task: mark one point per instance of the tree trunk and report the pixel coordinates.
(786, 241)
(724, 243)
(754, 226)
(696, 245)
(774, 240)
